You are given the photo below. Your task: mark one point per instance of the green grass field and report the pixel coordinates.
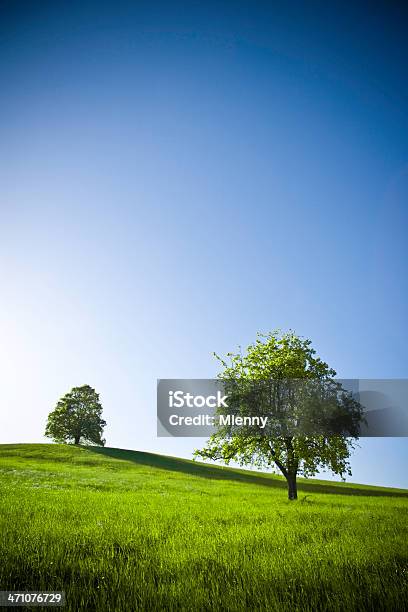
(122, 530)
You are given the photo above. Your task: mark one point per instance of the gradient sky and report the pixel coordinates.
(175, 177)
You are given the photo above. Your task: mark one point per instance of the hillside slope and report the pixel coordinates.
(121, 530)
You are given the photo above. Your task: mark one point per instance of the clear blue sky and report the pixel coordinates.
(175, 177)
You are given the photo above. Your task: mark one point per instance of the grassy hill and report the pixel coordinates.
(123, 530)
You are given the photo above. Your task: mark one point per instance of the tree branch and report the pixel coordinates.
(277, 461)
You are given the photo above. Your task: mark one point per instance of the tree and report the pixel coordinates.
(314, 422)
(77, 417)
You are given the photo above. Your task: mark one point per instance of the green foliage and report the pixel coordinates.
(120, 530)
(276, 355)
(77, 418)
(282, 356)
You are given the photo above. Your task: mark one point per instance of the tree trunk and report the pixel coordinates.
(292, 486)
(76, 439)
(289, 470)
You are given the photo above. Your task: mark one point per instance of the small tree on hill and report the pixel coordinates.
(299, 385)
(77, 418)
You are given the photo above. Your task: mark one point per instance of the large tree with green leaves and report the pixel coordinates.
(77, 418)
(286, 359)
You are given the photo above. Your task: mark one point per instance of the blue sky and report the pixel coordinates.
(175, 177)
